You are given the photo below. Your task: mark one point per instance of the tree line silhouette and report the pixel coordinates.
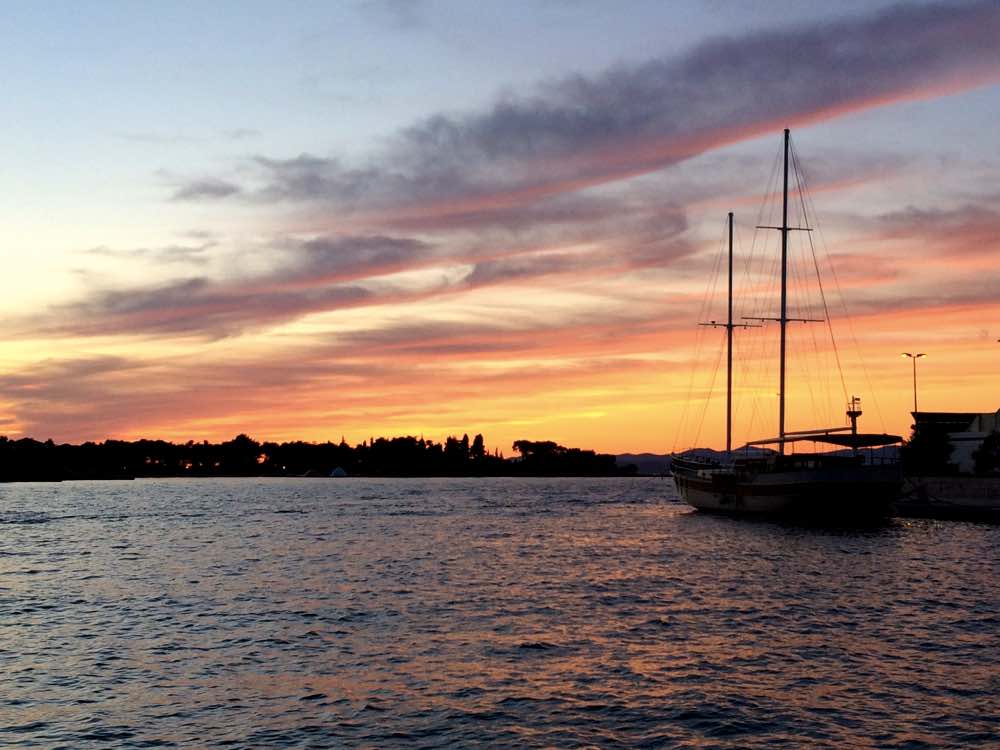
(31, 460)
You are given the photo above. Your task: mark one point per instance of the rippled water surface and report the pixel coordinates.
(464, 613)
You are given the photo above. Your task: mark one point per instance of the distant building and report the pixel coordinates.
(965, 431)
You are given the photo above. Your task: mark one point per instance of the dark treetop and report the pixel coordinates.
(31, 460)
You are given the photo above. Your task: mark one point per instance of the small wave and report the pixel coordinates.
(24, 519)
(33, 726)
(537, 646)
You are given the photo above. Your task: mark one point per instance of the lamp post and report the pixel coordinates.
(914, 357)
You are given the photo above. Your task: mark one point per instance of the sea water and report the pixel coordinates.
(319, 613)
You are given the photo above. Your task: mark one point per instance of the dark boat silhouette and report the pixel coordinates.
(839, 486)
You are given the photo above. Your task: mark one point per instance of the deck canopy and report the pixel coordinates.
(845, 440)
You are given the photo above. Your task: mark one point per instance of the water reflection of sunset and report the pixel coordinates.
(517, 611)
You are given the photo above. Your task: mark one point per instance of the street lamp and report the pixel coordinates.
(914, 357)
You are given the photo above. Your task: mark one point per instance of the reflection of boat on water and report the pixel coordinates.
(842, 485)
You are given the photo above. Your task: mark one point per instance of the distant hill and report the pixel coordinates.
(648, 463)
(657, 463)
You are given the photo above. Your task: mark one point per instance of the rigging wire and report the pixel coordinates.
(815, 365)
(712, 296)
(755, 296)
(806, 197)
(760, 277)
(807, 216)
(708, 396)
(800, 304)
(703, 312)
(738, 356)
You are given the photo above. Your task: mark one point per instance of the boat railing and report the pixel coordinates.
(736, 462)
(694, 462)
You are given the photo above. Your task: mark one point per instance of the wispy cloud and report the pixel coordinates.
(395, 14)
(633, 119)
(156, 139)
(388, 371)
(165, 255)
(210, 188)
(513, 194)
(240, 134)
(968, 230)
(334, 273)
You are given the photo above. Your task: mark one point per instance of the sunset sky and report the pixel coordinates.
(376, 218)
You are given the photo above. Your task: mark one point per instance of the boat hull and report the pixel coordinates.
(840, 493)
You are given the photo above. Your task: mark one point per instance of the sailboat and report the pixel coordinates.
(837, 485)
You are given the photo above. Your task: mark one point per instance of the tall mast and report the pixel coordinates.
(784, 300)
(783, 319)
(729, 347)
(729, 326)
